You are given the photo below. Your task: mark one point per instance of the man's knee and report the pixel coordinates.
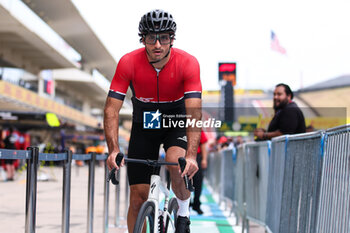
(173, 153)
(136, 203)
(138, 195)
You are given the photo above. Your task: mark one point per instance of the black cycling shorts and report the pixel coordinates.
(145, 144)
(9, 161)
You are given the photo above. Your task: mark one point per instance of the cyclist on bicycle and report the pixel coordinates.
(163, 80)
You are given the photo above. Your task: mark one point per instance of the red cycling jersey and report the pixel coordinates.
(178, 79)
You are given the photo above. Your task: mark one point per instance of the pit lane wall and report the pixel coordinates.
(294, 183)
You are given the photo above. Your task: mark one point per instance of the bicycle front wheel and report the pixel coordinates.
(145, 218)
(172, 209)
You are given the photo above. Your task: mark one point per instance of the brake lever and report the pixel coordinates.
(188, 182)
(112, 174)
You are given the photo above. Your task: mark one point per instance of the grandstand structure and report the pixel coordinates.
(52, 61)
(328, 97)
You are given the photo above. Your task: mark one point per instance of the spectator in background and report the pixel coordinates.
(222, 143)
(9, 142)
(239, 140)
(288, 118)
(202, 160)
(2, 144)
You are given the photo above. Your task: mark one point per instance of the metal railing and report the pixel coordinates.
(256, 180)
(32, 157)
(293, 191)
(294, 183)
(225, 176)
(334, 199)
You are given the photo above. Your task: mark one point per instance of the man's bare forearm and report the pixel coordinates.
(194, 111)
(111, 124)
(193, 138)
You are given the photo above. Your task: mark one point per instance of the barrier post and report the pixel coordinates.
(106, 200)
(91, 192)
(126, 195)
(222, 183)
(117, 201)
(245, 224)
(31, 190)
(67, 171)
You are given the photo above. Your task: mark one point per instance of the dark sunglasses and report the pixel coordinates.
(163, 39)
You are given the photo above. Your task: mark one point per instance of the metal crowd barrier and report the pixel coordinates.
(239, 185)
(294, 183)
(225, 177)
(334, 199)
(275, 184)
(214, 159)
(256, 180)
(293, 191)
(32, 157)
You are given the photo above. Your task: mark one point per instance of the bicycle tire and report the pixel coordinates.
(147, 210)
(172, 209)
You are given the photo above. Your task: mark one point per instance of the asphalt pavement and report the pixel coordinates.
(49, 205)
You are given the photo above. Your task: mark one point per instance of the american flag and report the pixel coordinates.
(275, 44)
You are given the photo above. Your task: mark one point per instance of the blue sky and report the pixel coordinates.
(314, 33)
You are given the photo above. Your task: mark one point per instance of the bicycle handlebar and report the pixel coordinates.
(112, 174)
(154, 163)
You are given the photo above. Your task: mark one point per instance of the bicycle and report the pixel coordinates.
(150, 216)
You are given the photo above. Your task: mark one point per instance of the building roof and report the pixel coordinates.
(339, 82)
(26, 46)
(65, 19)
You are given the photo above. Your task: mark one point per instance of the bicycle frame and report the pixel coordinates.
(157, 187)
